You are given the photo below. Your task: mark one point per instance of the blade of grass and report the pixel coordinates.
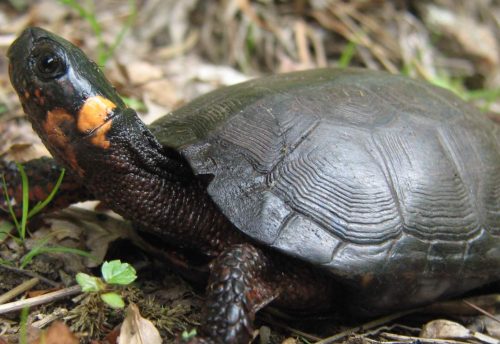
(6, 262)
(40, 205)
(52, 249)
(87, 15)
(25, 205)
(34, 251)
(126, 26)
(347, 55)
(23, 326)
(104, 52)
(486, 94)
(9, 205)
(90, 17)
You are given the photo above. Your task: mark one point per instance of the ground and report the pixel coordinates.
(161, 54)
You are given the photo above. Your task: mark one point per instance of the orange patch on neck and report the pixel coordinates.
(58, 139)
(93, 116)
(39, 98)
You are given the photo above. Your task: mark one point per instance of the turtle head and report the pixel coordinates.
(64, 94)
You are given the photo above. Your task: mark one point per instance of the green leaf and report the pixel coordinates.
(188, 335)
(116, 272)
(89, 283)
(113, 300)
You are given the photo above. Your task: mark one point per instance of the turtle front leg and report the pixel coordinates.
(42, 176)
(238, 287)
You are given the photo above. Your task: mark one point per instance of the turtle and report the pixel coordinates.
(315, 191)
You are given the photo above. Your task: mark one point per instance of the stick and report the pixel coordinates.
(21, 288)
(39, 300)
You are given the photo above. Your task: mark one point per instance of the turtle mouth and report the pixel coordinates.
(106, 123)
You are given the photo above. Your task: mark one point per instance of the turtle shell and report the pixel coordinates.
(387, 182)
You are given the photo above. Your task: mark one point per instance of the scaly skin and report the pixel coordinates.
(105, 147)
(237, 288)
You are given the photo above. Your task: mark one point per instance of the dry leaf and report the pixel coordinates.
(57, 333)
(446, 329)
(137, 330)
(140, 72)
(490, 326)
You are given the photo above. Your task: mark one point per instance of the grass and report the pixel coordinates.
(26, 212)
(104, 50)
(23, 326)
(347, 54)
(21, 225)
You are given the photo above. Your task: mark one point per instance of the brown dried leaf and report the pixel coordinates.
(57, 333)
(137, 330)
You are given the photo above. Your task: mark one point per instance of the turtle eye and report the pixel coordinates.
(49, 65)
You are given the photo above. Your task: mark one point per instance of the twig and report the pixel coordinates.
(366, 326)
(21, 288)
(39, 300)
(54, 315)
(31, 274)
(482, 311)
(413, 339)
(305, 335)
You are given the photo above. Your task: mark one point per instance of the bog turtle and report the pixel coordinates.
(324, 189)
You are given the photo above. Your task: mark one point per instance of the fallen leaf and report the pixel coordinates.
(34, 293)
(140, 72)
(57, 333)
(490, 326)
(446, 329)
(112, 337)
(137, 330)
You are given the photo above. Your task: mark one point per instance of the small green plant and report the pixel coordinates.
(26, 212)
(186, 336)
(21, 224)
(114, 274)
(104, 51)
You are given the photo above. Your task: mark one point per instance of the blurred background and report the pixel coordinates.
(162, 53)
